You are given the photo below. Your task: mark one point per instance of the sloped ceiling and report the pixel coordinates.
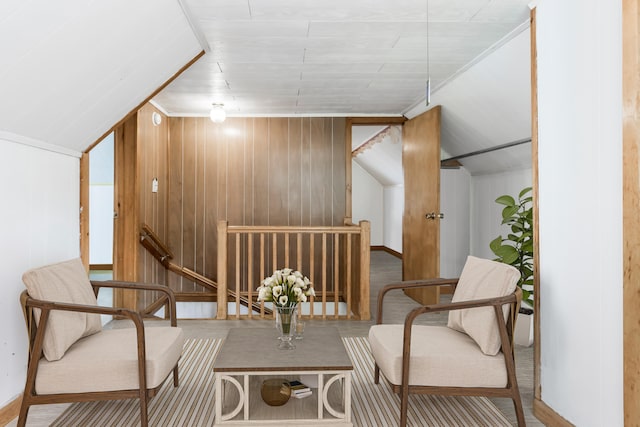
(487, 105)
(382, 160)
(71, 69)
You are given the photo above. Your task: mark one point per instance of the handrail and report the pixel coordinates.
(335, 258)
(150, 241)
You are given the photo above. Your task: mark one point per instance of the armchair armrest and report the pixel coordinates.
(46, 307)
(136, 286)
(410, 284)
(496, 303)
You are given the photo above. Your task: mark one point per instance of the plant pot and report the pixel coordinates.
(523, 334)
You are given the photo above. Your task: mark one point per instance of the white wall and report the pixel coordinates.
(40, 225)
(486, 214)
(455, 203)
(366, 202)
(580, 164)
(393, 210)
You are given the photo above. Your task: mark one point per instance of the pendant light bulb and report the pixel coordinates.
(217, 114)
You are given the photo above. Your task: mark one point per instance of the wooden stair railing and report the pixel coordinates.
(152, 243)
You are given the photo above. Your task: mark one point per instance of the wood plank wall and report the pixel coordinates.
(248, 171)
(153, 146)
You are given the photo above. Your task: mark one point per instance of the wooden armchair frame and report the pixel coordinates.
(506, 336)
(36, 338)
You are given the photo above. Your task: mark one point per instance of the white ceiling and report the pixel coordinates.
(71, 69)
(331, 57)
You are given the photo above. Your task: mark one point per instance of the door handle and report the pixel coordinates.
(433, 215)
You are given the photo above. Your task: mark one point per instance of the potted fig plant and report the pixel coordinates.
(516, 249)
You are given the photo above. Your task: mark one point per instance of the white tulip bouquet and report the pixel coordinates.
(285, 288)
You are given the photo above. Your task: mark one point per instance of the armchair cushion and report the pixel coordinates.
(440, 357)
(63, 282)
(108, 361)
(482, 278)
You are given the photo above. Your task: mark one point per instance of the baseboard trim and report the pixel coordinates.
(10, 411)
(388, 250)
(548, 416)
(101, 267)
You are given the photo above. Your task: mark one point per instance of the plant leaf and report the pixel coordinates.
(524, 191)
(506, 200)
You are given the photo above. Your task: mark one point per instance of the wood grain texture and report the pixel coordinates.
(548, 416)
(421, 237)
(536, 210)
(631, 207)
(127, 208)
(84, 210)
(249, 171)
(10, 411)
(152, 141)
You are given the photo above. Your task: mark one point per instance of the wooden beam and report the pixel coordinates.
(147, 99)
(535, 185)
(127, 211)
(84, 210)
(631, 207)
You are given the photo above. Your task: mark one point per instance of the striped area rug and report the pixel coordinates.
(192, 403)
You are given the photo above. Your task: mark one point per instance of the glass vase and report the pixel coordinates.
(286, 323)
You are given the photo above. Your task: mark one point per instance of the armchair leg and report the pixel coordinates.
(376, 374)
(404, 404)
(24, 411)
(175, 376)
(144, 417)
(517, 404)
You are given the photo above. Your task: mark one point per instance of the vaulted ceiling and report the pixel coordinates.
(71, 69)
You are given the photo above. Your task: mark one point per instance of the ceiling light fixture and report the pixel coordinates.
(217, 114)
(428, 89)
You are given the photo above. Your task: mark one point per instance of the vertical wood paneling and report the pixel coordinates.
(152, 146)
(248, 171)
(307, 204)
(278, 170)
(189, 194)
(261, 171)
(339, 172)
(200, 199)
(294, 170)
(210, 195)
(174, 200)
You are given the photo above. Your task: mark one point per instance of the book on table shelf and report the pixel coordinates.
(302, 395)
(299, 390)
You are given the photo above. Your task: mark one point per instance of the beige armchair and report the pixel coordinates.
(471, 356)
(71, 359)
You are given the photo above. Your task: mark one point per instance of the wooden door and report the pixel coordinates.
(421, 236)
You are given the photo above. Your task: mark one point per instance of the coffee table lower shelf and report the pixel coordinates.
(238, 393)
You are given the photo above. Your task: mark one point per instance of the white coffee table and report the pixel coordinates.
(248, 355)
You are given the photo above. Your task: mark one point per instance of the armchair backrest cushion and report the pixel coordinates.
(66, 282)
(482, 278)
